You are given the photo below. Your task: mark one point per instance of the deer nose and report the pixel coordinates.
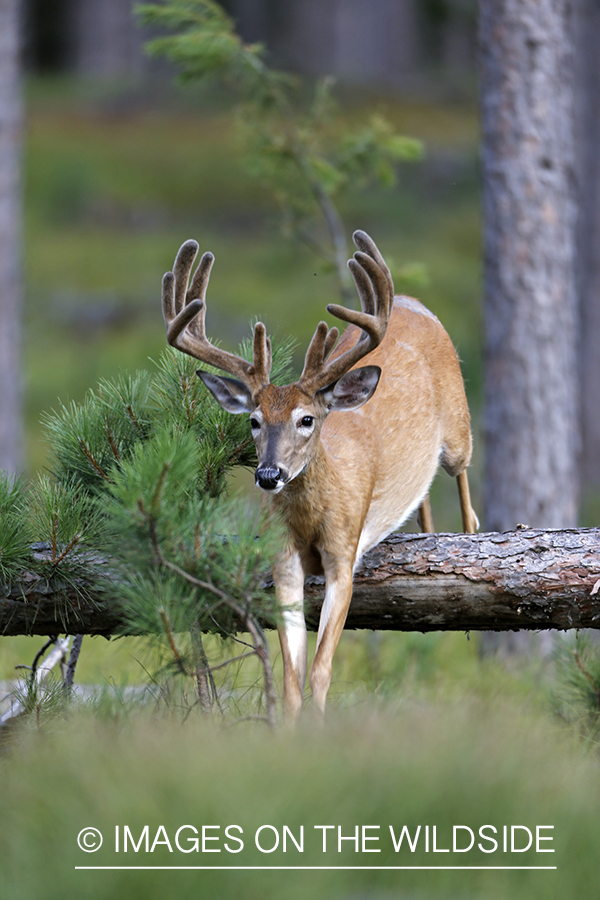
(268, 477)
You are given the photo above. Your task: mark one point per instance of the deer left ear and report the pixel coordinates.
(352, 389)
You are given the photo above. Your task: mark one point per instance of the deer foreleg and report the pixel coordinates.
(338, 594)
(288, 575)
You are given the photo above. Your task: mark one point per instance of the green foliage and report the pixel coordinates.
(65, 521)
(15, 535)
(50, 530)
(91, 439)
(88, 438)
(307, 157)
(44, 704)
(207, 45)
(578, 682)
(186, 555)
(374, 149)
(140, 471)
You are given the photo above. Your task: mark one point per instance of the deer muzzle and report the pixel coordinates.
(270, 478)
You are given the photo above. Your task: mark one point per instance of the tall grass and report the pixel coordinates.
(459, 764)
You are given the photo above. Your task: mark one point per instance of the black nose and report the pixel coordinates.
(268, 477)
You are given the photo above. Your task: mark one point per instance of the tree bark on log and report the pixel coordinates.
(524, 579)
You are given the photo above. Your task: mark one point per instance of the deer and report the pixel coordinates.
(347, 452)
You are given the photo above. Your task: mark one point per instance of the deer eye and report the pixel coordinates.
(306, 422)
(254, 424)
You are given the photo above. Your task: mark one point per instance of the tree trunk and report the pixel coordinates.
(360, 41)
(410, 582)
(10, 239)
(109, 41)
(376, 44)
(531, 384)
(588, 144)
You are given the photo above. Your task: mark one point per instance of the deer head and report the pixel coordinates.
(285, 421)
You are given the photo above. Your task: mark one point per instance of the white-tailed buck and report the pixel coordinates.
(344, 472)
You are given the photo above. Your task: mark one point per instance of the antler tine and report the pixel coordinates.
(197, 291)
(315, 354)
(378, 298)
(262, 355)
(181, 270)
(363, 286)
(321, 345)
(375, 287)
(330, 341)
(184, 311)
(366, 243)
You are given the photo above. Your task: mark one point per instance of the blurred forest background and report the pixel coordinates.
(106, 166)
(119, 165)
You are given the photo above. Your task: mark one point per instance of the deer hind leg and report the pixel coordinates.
(288, 575)
(424, 516)
(455, 458)
(469, 518)
(338, 594)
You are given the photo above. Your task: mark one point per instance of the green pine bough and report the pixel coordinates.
(138, 490)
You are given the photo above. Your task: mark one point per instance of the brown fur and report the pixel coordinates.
(344, 470)
(371, 455)
(280, 401)
(368, 469)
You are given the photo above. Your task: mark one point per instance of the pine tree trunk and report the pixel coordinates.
(588, 143)
(531, 423)
(10, 237)
(531, 384)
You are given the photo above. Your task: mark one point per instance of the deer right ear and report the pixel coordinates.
(229, 393)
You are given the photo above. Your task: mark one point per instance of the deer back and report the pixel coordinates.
(380, 459)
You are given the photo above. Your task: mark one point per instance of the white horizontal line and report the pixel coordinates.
(330, 868)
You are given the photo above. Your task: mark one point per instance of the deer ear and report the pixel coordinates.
(352, 389)
(229, 393)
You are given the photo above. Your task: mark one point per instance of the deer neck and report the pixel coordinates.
(303, 501)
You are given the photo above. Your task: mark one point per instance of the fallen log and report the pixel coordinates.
(524, 579)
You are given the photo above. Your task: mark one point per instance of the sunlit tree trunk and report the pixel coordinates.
(531, 322)
(10, 235)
